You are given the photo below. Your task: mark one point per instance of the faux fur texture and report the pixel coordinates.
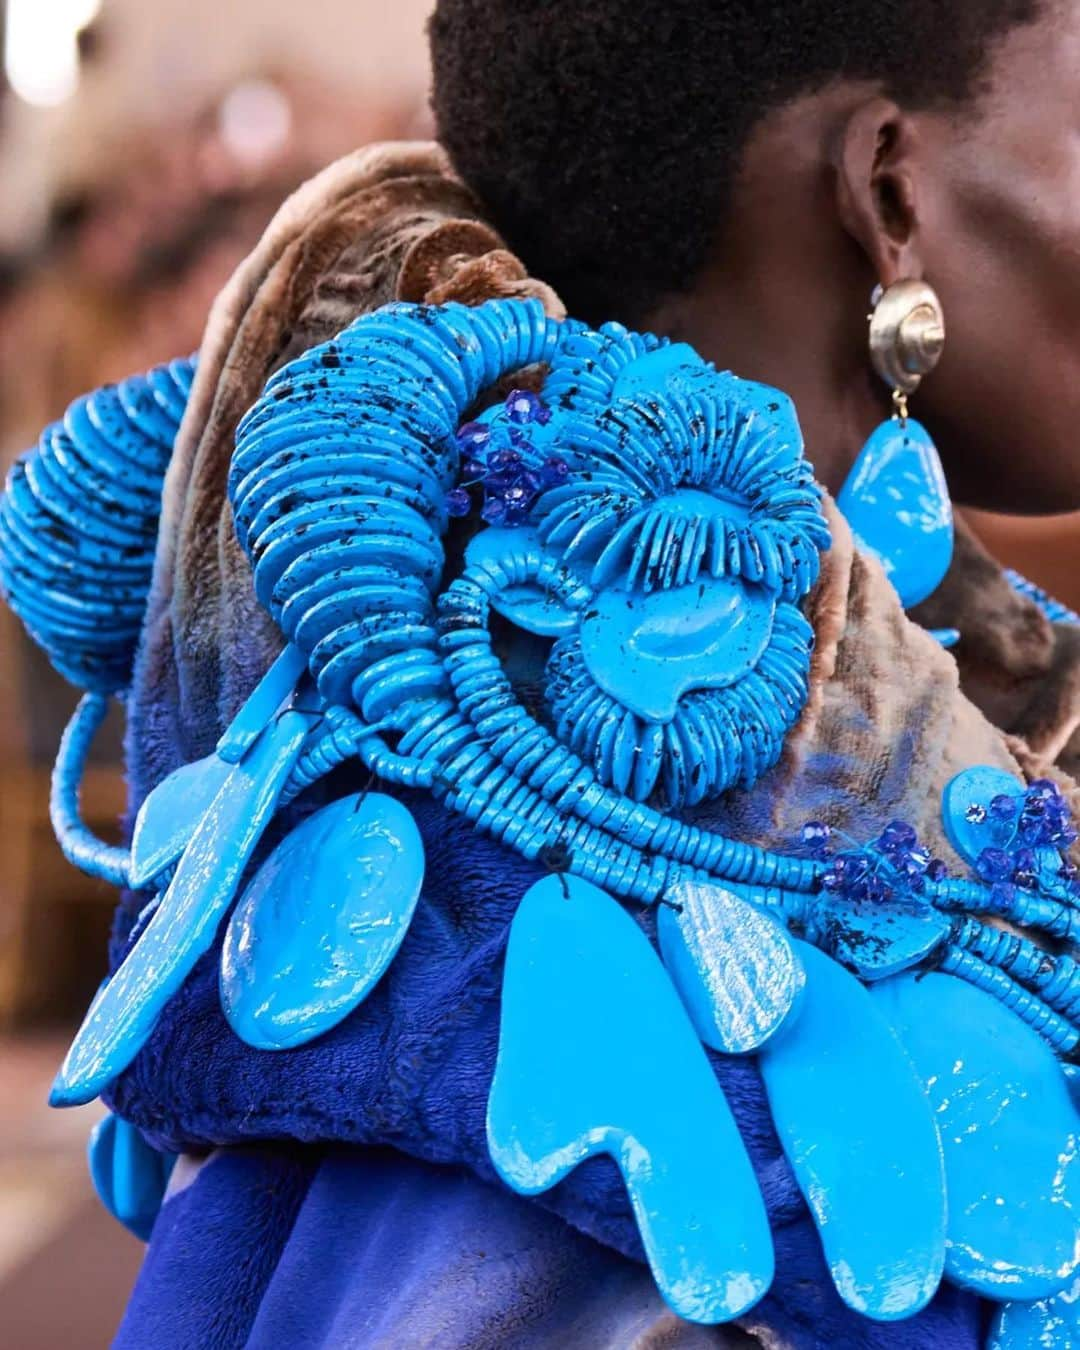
(885, 728)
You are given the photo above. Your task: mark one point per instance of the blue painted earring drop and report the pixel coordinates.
(897, 503)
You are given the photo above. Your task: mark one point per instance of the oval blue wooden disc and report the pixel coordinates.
(129, 1176)
(857, 1129)
(897, 503)
(1049, 1324)
(1009, 1131)
(597, 1055)
(970, 794)
(169, 815)
(183, 925)
(733, 965)
(320, 921)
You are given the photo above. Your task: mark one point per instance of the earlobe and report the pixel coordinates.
(876, 198)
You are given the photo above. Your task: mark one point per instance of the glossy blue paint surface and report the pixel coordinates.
(897, 504)
(595, 1051)
(528, 604)
(733, 965)
(1049, 1324)
(169, 815)
(647, 651)
(857, 1129)
(129, 1176)
(320, 921)
(1009, 1131)
(184, 923)
(266, 698)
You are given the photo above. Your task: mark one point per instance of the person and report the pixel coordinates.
(739, 178)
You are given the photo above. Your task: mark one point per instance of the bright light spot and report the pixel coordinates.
(255, 122)
(41, 47)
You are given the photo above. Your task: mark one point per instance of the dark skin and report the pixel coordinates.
(843, 189)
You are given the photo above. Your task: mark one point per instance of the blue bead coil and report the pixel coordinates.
(78, 524)
(1054, 610)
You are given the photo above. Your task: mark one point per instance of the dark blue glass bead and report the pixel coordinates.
(494, 511)
(815, 836)
(474, 469)
(1004, 807)
(1024, 860)
(831, 881)
(504, 459)
(1042, 789)
(458, 502)
(937, 871)
(975, 814)
(993, 865)
(522, 406)
(1068, 870)
(473, 436)
(554, 472)
(1003, 895)
(1035, 807)
(898, 834)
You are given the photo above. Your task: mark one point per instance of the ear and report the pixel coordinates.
(875, 157)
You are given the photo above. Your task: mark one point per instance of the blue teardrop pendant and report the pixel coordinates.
(733, 965)
(320, 921)
(594, 1048)
(129, 1176)
(123, 1014)
(1009, 1131)
(858, 1131)
(897, 503)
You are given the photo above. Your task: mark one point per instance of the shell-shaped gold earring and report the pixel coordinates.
(907, 335)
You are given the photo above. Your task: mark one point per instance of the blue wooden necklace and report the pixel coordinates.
(654, 521)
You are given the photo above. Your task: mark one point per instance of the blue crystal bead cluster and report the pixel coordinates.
(498, 456)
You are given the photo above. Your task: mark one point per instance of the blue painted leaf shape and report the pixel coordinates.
(123, 1014)
(321, 921)
(129, 1176)
(878, 938)
(858, 1131)
(169, 815)
(897, 503)
(597, 1055)
(1009, 1131)
(1049, 1324)
(733, 965)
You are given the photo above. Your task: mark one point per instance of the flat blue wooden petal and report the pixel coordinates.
(266, 698)
(877, 939)
(897, 503)
(320, 921)
(169, 815)
(857, 1129)
(183, 926)
(597, 1055)
(977, 786)
(1009, 1132)
(129, 1176)
(1049, 1324)
(733, 965)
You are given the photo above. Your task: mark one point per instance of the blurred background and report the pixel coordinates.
(144, 144)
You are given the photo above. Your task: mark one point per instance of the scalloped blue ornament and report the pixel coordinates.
(320, 921)
(594, 1048)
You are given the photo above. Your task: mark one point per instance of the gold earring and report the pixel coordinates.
(907, 335)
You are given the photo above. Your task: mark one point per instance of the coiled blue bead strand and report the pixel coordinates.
(78, 524)
(1054, 610)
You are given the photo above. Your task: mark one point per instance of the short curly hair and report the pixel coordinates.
(604, 137)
